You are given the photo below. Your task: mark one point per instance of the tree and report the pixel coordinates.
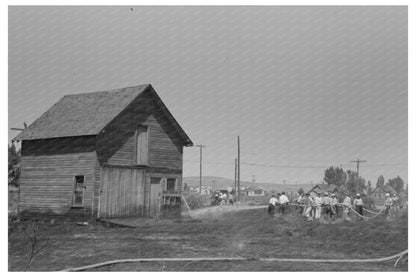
(369, 187)
(13, 166)
(380, 181)
(336, 176)
(396, 183)
(354, 183)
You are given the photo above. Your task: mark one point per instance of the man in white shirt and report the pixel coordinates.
(284, 202)
(318, 202)
(300, 201)
(358, 205)
(396, 202)
(347, 206)
(310, 203)
(388, 203)
(272, 205)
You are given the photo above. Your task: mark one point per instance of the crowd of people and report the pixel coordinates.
(328, 205)
(222, 198)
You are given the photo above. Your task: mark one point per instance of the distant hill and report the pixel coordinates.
(223, 183)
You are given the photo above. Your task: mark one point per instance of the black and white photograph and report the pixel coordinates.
(207, 138)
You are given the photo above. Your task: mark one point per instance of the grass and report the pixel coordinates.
(249, 233)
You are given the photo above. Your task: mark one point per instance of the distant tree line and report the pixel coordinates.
(350, 181)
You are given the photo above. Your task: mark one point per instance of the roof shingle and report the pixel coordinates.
(81, 114)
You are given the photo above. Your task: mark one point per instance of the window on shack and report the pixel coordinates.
(79, 191)
(170, 184)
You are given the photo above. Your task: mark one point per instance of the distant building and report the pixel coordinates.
(322, 188)
(256, 191)
(379, 193)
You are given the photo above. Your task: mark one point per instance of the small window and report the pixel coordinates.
(170, 185)
(141, 144)
(79, 191)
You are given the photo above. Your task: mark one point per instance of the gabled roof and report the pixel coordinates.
(385, 188)
(87, 114)
(322, 188)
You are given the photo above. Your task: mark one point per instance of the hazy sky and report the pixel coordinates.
(304, 87)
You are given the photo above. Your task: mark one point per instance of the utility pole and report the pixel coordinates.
(238, 172)
(200, 166)
(358, 161)
(235, 178)
(254, 179)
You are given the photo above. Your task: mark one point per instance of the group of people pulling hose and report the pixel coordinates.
(315, 207)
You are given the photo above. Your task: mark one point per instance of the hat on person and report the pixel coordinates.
(308, 193)
(326, 194)
(358, 194)
(332, 195)
(387, 194)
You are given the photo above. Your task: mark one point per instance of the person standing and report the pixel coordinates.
(318, 208)
(308, 209)
(347, 206)
(272, 205)
(284, 202)
(231, 198)
(326, 205)
(334, 203)
(388, 203)
(358, 205)
(396, 203)
(300, 201)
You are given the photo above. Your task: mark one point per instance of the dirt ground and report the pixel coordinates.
(241, 233)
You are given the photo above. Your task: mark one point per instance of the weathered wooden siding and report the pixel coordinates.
(97, 188)
(116, 144)
(47, 182)
(122, 192)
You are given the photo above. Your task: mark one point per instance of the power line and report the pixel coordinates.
(298, 166)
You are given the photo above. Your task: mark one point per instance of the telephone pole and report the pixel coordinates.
(235, 178)
(200, 166)
(238, 172)
(358, 161)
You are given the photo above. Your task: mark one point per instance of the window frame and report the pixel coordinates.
(174, 185)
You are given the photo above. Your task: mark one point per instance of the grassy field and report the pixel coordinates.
(243, 233)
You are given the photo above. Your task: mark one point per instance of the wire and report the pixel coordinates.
(295, 166)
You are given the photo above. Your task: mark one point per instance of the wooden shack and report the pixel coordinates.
(107, 154)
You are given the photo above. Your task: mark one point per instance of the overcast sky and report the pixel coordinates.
(304, 87)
